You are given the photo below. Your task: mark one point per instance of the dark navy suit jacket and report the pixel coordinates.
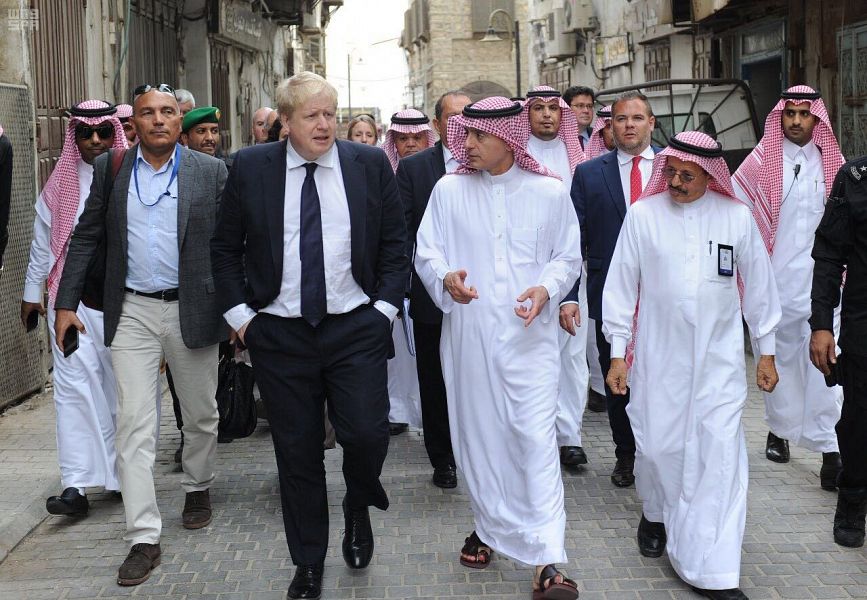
(598, 198)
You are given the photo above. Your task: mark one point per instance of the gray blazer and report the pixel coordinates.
(200, 186)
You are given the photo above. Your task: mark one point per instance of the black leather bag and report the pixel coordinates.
(94, 281)
(235, 401)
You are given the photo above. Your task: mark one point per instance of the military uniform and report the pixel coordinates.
(841, 243)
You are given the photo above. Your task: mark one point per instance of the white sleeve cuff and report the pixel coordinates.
(238, 316)
(386, 308)
(32, 292)
(618, 346)
(565, 302)
(767, 344)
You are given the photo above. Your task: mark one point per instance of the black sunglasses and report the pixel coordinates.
(85, 132)
(145, 88)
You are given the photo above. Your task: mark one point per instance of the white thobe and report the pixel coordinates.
(403, 393)
(688, 380)
(85, 391)
(509, 232)
(802, 409)
(574, 373)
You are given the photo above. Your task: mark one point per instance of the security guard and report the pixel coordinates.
(841, 243)
(200, 131)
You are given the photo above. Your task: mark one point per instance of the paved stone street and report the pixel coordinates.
(788, 551)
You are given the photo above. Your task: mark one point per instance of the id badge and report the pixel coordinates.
(725, 260)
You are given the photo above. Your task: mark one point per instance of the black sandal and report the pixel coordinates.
(566, 590)
(473, 546)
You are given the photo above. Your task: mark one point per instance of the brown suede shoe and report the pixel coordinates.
(197, 510)
(139, 563)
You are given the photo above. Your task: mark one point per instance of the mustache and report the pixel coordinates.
(676, 189)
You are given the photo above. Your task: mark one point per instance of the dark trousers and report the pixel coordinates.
(852, 426)
(621, 429)
(432, 389)
(297, 367)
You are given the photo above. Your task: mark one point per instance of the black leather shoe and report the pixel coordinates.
(850, 517)
(358, 538)
(651, 538)
(622, 475)
(730, 594)
(572, 456)
(397, 428)
(138, 564)
(69, 503)
(777, 449)
(307, 582)
(596, 402)
(831, 467)
(445, 477)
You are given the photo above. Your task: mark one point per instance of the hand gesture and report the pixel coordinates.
(766, 373)
(823, 350)
(538, 297)
(460, 293)
(63, 320)
(570, 318)
(616, 378)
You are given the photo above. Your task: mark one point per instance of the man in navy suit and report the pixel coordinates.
(416, 177)
(602, 190)
(310, 268)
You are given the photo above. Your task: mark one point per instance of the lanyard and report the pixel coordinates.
(171, 178)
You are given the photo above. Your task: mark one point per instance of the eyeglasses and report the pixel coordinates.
(685, 177)
(145, 88)
(85, 132)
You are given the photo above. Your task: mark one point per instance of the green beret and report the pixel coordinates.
(205, 114)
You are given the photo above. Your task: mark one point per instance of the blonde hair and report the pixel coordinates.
(298, 89)
(361, 119)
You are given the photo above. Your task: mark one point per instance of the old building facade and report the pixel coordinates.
(443, 41)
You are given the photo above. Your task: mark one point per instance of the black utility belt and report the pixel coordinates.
(164, 295)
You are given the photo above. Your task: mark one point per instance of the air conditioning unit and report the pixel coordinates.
(310, 23)
(578, 15)
(560, 43)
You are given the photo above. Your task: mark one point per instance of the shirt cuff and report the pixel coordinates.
(565, 302)
(33, 293)
(386, 308)
(239, 316)
(618, 346)
(767, 344)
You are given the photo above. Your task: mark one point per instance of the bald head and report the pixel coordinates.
(260, 124)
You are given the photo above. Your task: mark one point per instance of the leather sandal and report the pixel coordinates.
(549, 589)
(473, 546)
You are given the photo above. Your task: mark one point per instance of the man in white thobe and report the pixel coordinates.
(785, 181)
(684, 248)
(555, 143)
(498, 246)
(85, 394)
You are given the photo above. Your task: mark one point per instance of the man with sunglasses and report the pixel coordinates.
(84, 385)
(159, 301)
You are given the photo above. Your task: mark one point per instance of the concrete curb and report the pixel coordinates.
(17, 527)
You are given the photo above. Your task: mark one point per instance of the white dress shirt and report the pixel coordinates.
(645, 166)
(449, 159)
(342, 292)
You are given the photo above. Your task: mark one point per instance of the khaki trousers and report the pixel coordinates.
(148, 330)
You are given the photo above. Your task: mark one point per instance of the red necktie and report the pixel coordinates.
(634, 180)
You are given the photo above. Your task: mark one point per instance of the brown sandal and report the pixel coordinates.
(473, 546)
(549, 589)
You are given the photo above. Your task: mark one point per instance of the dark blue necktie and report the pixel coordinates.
(313, 304)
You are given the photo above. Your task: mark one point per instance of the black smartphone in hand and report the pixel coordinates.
(32, 321)
(70, 341)
(836, 376)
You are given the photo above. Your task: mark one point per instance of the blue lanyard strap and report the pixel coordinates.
(174, 174)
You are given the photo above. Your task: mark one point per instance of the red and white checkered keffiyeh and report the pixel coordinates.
(687, 146)
(596, 145)
(408, 120)
(761, 173)
(124, 111)
(568, 131)
(499, 117)
(61, 193)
